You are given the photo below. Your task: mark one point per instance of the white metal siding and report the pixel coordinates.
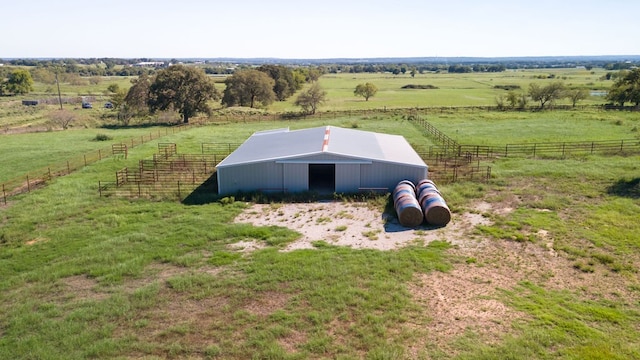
(388, 175)
(252, 177)
(347, 178)
(292, 175)
(296, 177)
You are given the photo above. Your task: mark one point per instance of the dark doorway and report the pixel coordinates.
(322, 178)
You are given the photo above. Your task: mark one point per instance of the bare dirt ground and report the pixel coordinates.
(355, 225)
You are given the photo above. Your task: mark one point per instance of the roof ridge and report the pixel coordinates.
(325, 141)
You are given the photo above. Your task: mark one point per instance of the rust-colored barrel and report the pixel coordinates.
(435, 209)
(408, 210)
(404, 187)
(426, 185)
(406, 204)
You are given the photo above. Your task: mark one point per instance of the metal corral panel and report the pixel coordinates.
(388, 175)
(296, 177)
(253, 177)
(347, 178)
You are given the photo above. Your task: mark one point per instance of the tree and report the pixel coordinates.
(186, 90)
(19, 82)
(626, 88)
(314, 74)
(285, 83)
(576, 95)
(113, 88)
(248, 87)
(118, 98)
(136, 101)
(546, 94)
(62, 118)
(365, 90)
(310, 99)
(43, 75)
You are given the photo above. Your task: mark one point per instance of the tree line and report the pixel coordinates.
(187, 90)
(126, 67)
(625, 89)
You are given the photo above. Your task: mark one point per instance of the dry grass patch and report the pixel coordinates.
(247, 246)
(267, 303)
(84, 288)
(464, 300)
(292, 340)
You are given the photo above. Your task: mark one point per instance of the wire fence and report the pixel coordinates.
(557, 149)
(39, 177)
(447, 160)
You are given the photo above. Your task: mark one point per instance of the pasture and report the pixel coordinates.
(549, 270)
(453, 90)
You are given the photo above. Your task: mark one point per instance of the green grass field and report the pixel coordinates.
(476, 89)
(554, 275)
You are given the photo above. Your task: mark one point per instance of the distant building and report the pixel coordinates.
(149, 64)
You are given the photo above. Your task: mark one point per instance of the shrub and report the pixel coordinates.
(425, 87)
(507, 87)
(227, 200)
(102, 137)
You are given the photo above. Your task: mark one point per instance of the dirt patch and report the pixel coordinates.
(267, 303)
(247, 246)
(36, 241)
(290, 342)
(355, 225)
(178, 318)
(84, 288)
(464, 300)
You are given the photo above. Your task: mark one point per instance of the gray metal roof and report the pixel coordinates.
(282, 144)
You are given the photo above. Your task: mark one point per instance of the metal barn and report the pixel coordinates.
(323, 159)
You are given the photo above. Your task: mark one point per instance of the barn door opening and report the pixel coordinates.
(322, 178)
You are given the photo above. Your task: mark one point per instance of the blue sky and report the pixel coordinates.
(318, 29)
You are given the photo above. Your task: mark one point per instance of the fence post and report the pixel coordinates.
(50, 177)
(99, 155)
(179, 195)
(139, 190)
(621, 145)
(4, 195)
(28, 185)
(85, 159)
(68, 168)
(99, 188)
